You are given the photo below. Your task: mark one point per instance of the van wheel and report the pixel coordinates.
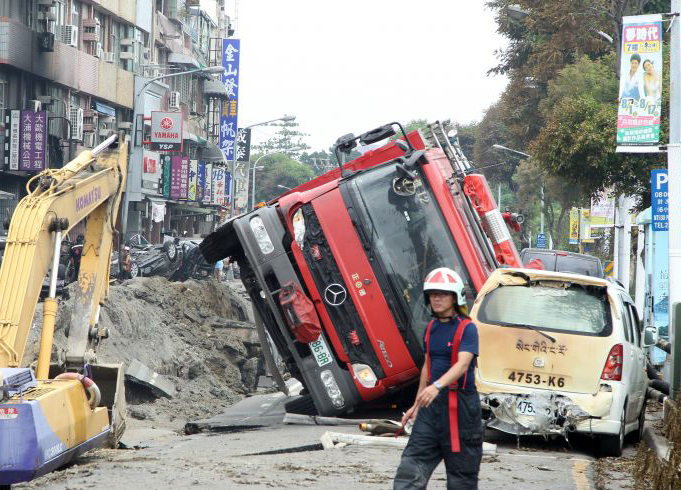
(170, 250)
(613, 445)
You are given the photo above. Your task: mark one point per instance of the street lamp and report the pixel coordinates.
(284, 118)
(255, 165)
(126, 196)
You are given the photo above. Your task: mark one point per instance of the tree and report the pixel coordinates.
(280, 169)
(287, 140)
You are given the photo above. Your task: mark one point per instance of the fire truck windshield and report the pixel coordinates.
(404, 231)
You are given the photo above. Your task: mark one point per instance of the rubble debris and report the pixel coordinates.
(301, 419)
(335, 440)
(190, 333)
(652, 470)
(141, 375)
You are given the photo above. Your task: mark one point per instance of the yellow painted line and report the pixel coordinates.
(579, 475)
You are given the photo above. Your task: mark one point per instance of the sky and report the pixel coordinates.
(349, 66)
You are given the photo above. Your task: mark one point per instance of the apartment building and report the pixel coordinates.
(93, 67)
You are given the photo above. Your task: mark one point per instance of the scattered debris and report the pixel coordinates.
(335, 440)
(140, 374)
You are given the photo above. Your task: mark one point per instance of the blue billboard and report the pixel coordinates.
(230, 79)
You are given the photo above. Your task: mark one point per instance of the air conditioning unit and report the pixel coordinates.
(127, 55)
(174, 102)
(76, 119)
(126, 125)
(98, 50)
(45, 99)
(94, 22)
(48, 16)
(109, 57)
(128, 41)
(69, 35)
(34, 105)
(91, 34)
(90, 140)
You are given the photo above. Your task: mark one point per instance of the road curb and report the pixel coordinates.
(656, 442)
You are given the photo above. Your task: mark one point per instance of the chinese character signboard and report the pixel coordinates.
(15, 139)
(230, 79)
(207, 184)
(640, 100)
(167, 173)
(602, 214)
(166, 131)
(660, 200)
(219, 187)
(32, 140)
(574, 226)
(193, 178)
(179, 178)
(200, 180)
(243, 145)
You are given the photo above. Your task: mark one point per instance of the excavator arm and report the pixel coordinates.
(89, 187)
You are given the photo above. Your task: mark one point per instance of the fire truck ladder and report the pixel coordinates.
(436, 135)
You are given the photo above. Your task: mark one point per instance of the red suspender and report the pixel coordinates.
(430, 324)
(453, 393)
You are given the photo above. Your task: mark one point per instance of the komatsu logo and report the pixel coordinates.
(88, 199)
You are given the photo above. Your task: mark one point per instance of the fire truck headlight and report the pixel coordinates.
(332, 388)
(365, 375)
(261, 235)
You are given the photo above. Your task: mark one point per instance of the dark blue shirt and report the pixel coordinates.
(441, 338)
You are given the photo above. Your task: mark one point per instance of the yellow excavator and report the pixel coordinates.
(61, 410)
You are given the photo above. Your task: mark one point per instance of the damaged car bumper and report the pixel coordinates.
(550, 413)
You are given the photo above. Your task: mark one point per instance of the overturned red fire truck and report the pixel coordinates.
(335, 267)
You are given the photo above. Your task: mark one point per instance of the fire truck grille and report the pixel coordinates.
(331, 286)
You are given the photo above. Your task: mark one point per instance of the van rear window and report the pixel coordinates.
(549, 305)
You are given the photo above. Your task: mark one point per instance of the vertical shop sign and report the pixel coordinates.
(640, 100)
(574, 226)
(243, 145)
(219, 185)
(176, 178)
(200, 180)
(184, 178)
(193, 178)
(230, 79)
(15, 139)
(167, 172)
(208, 185)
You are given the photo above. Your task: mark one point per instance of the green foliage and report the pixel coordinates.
(287, 140)
(280, 169)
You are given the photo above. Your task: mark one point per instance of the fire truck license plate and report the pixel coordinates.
(320, 351)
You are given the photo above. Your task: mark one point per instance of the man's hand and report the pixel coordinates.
(410, 415)
(426, 397)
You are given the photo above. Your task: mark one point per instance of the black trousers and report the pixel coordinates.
(429, 444)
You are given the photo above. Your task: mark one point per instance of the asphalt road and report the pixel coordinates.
(290, 456)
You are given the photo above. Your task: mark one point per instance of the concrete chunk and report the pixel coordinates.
(142, 375)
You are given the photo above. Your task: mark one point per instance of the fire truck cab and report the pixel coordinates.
(335, 267)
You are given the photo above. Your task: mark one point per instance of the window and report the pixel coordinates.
(556, 306)
(626, 320)
(635, 323)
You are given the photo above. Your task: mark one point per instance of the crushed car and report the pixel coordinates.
(561, 353)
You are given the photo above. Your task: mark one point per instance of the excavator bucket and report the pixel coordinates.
(110, 379)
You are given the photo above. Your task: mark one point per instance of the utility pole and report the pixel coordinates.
(674, 190)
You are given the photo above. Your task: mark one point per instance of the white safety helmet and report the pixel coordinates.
(445, 279)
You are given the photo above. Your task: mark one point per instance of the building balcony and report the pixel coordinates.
(65, 65)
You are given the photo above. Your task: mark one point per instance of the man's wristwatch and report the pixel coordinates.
(437, 385)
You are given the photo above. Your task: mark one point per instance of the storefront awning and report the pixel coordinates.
(183, 59)
(196, 139)
(192, 209)
(105, 109)
(212, 153)
(214, 89)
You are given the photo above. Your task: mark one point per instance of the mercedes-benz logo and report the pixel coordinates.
(335, 294)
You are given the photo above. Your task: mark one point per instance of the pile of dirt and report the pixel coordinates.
(198, 334)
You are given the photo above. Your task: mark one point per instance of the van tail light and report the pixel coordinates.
(614, 364)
